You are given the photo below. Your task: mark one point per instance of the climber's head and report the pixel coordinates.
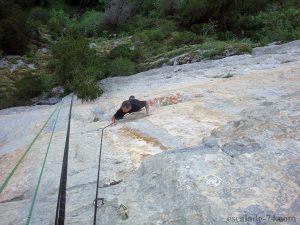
(126, 106)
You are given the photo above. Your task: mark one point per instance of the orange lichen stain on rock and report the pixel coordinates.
(138, 157)
(136, 134)
(7, 162)
(143, 156)
(171, 99)
(283, 135)
(166, 100)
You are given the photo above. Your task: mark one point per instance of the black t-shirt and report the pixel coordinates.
(136, 106)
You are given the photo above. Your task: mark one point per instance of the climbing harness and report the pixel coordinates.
(97, 187)
(42, 170)
(26, 152)
(61, 200)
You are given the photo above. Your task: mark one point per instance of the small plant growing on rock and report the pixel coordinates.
(96, 119)
(228, 75)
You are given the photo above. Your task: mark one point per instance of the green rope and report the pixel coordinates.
(41, 173)
(25, 153)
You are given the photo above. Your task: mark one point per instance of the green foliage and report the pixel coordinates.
(122, 67)
(242, 47)
(55, 27)
(156, 35)
(226, 36)
(212, 48)
(33, 30)
(151, 49)
(296, 33)
(59, 20)
(20, 72)
(62, 16)
(28, 86)
(206, 29)
(263, 21)
(74, 62)
(166, 25)
(14, 32)
(60, 5)
(154, 32)
(7, 92)
(102, 5)
(186, 37)
(147, 7)
(60, 24)
(30, 57)
(48, 81)
(70, 58)
(118, 12)
(39, 14)
(85, 87)
(126, 51)
(168, 7)
(1, 54)
(272, 25)
(149, 36)
(189, 12)
(90, 24)
(73, 30)
(140, 23)
(141, 38)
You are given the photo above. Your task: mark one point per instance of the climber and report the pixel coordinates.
(129, 106)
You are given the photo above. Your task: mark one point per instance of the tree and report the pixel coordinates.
(198, 11)
(76, 67)
(14, 31)
(118, 12)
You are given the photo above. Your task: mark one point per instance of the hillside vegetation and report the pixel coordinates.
(89, 40)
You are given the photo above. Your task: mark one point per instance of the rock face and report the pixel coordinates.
(221, 146)
(49, 98)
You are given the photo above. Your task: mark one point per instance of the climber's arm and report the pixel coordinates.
(118, 115)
